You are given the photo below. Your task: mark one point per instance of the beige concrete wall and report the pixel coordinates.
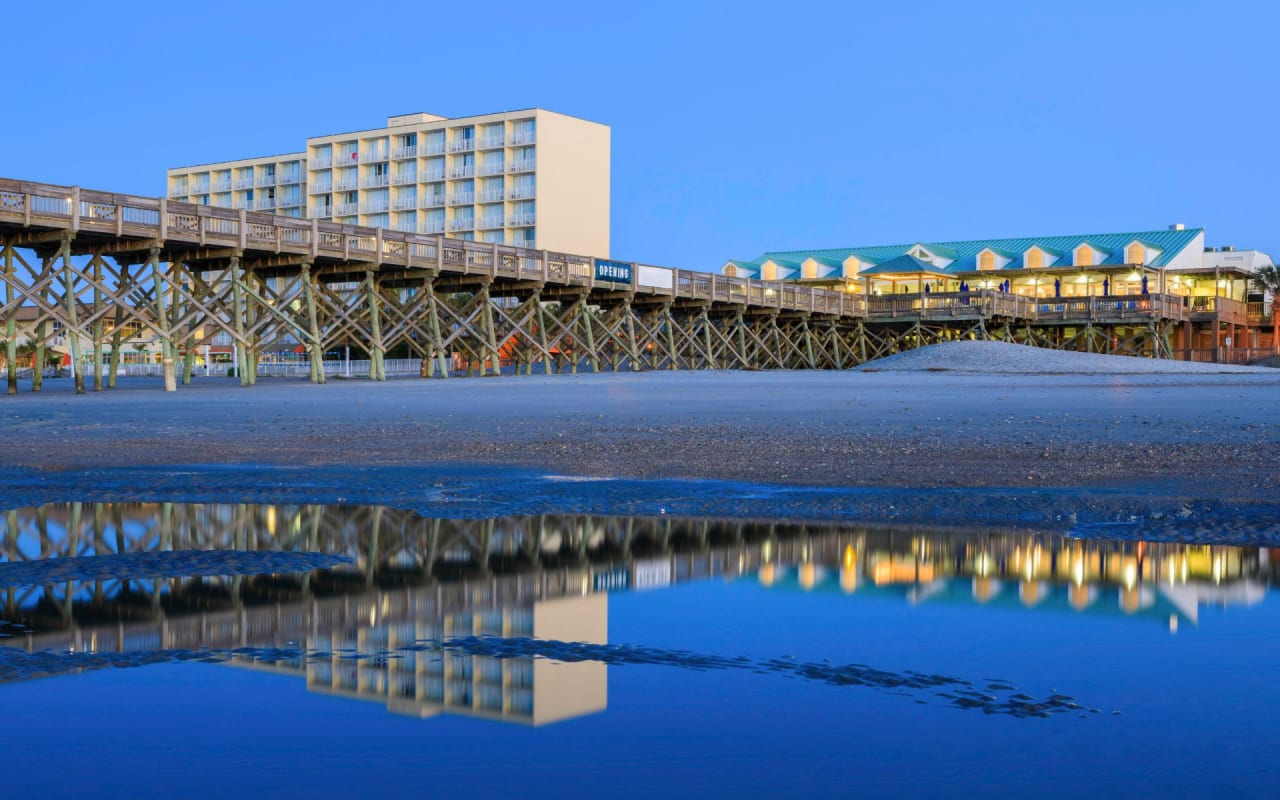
(562, 691)
(573, 185)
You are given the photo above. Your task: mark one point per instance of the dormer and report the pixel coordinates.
(1139, 252)
(853, 265)
(740, 269)
(991, 258)
(1038, 257)
(813, 268)
(935, 254)
(810, 269)
(1086, 255)
(773, 269)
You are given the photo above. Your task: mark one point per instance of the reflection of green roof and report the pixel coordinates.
(904, 264)
(1169, 244)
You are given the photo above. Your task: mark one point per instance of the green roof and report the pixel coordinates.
(1170, 243)
(904, 264)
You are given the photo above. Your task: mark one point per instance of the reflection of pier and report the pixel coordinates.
(414, 580)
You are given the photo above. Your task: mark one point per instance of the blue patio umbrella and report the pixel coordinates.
(1144, 284)
(1106, 286)
(1057, 287)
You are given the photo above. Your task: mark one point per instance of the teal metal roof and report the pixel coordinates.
(904, 264)
(1169, 243)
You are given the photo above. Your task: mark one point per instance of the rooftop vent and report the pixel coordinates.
(1177, 226)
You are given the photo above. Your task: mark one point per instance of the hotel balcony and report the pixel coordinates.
(462, 172)
(374, 181)
(289, 202)
(433, 227)
(492, 169)
(405, 152)
(489, 223)
(465, 224)
(322, 162)
(433, 175)
(376, 207)
(462, 145)
(245, 204)
(320, 212)
(521, 220)
(321, 188)
(493, 142)
(200, 188)
(523, 165)
(433, 149)
(521, 192)
(244, 183)
(518, 139)
(493, 196)
(346, 209)
(401, 178)
(462, 199)
(264, 205)
(370, 156)
(222, 186)
(405, 203)
(433, 201)
(268, 179)
(291, 177)
(178, 191)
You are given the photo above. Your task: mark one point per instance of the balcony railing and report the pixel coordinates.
(462, 199)
(291, 177)
(245, 204)
(433, 227)
(266, 179)
(374, 181)
(464, 224)
(433, 148)
(263, 205)
(222, 186)
(178, 191)
(492, 169)
(370, 156)
(347, 157)
(433, 201)
(527, 137)
(321, 188)
(408, 151)
(433, 175)
(462, 145)
(524, 165)
(521, 192)
(462, 172)
(492, 196)
(403, 203)
(489, 223)
(322, 162)
(521, 220)
(492, 142)
(244, 183)
(401, 178)
(345, 209)
(289, 201)
(320, 212)
(375, 207)
(344, 184)
(200, 188)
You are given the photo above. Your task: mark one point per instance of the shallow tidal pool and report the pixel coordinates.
(201, 650)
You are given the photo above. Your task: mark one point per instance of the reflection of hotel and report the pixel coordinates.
(415, 582)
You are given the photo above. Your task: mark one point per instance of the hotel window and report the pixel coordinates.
(1084, 256)
(1135, 254)
(523, 131)
(768, 271)
(1035, 258)
(809, 270)
(986, 260)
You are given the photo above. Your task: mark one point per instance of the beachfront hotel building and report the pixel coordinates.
(1213, 284)
(532, 178)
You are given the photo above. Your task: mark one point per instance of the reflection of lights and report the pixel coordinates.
(850, 556)
(766, 575)
(808, 575)
(983, 564)
(849, 578)
(271, 520)
(1173, 623)
(1130, 573)
(766, 551)
(1077, 570)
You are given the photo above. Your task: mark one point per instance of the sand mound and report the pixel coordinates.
(1002, 358)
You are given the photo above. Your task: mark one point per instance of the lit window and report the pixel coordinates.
(986, 260)
(1084, 256)
(1135, 254)
(1035, 258)
(809, 269)
(769, 271)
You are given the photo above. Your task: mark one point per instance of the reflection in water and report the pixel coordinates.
(508, 619)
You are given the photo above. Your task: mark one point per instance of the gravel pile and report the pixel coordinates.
(1006, 358)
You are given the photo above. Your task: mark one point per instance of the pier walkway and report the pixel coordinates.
(92, 273)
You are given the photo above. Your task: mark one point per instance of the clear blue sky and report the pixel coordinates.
(737, 127)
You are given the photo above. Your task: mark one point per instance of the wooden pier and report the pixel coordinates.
(96, 268)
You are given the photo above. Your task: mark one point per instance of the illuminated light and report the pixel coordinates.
(1130, 600)
(1082, 279)
(849, 579)
(1080, 596)
(982, 564)
(1173, 623)
(850, 556)
(271, 520)
(1077, 570)
(1130, 574)
(984, 589)
(1134, 276)
(766, 551)
(766, 575)
(808, 575)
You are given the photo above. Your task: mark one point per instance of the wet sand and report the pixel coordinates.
(1212, 435)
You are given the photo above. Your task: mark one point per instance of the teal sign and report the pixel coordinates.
(615, 271)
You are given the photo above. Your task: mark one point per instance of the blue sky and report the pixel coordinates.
(737, 127)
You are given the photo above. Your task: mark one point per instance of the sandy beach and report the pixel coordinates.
(1215, 431)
